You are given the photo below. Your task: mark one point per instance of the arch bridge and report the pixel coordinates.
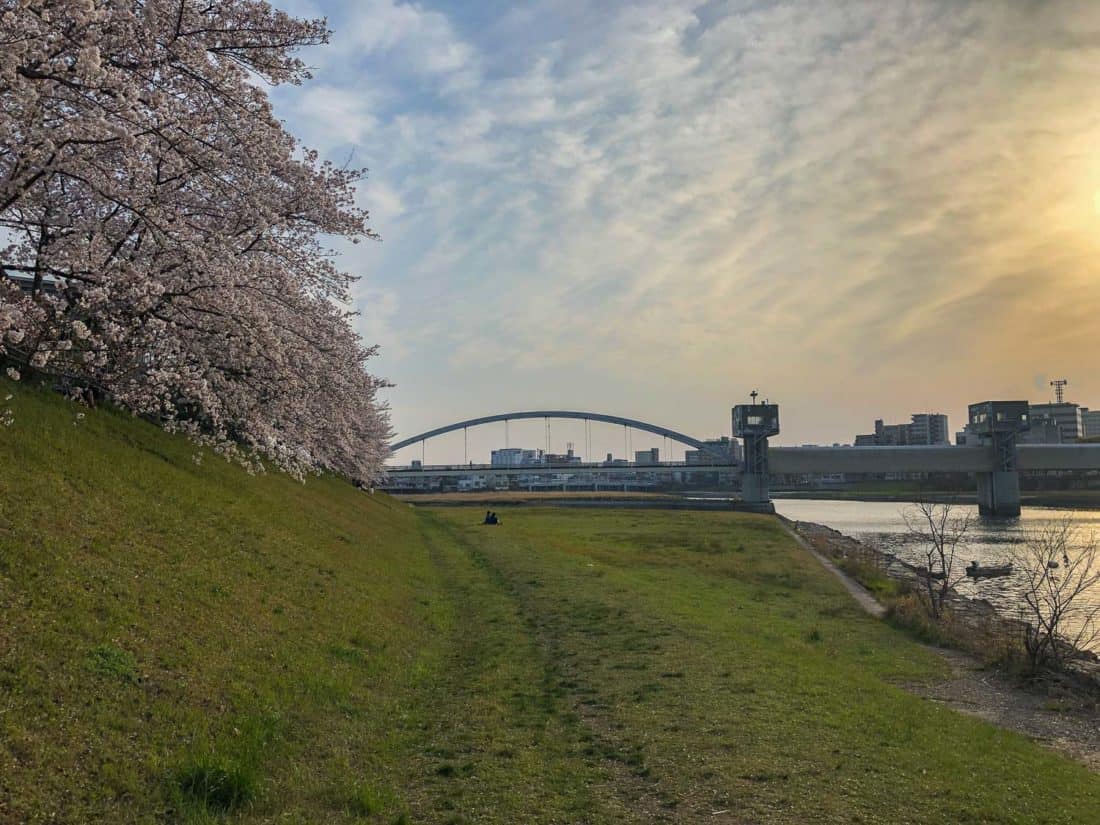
(665, 432)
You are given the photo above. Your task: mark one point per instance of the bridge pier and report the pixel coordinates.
(998, 423)
(753, 423)
(999, 493)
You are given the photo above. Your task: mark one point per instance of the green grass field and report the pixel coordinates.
(180, 641)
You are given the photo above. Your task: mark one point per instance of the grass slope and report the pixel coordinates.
(181, 641)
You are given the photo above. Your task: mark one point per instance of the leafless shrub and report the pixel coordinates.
(941, 531)
(1060, 573)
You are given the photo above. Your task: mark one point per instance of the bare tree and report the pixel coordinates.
(941, 531)
(1060, 573)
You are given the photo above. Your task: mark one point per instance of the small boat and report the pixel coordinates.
(930, 574)
(977, 571)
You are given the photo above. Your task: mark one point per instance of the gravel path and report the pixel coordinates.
(1061, 720)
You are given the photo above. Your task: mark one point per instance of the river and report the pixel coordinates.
(880, 524)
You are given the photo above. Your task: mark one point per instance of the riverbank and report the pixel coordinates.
(605, 500)
(489, 498)
(1084, 500)
(1062, 712)
(181, 641)
(1059, 499)
(737, 674)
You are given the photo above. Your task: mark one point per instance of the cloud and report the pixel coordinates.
(711, 195)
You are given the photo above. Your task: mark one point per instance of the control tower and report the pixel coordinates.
(998, 423)
(755, 423)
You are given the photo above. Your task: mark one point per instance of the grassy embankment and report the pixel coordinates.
(183, 641)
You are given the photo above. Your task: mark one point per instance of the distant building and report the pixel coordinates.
(651, 456)
(717, 450)
(1044, 431)
(1090, 423)
(923, 428)
(1066, 416)
(567, 457)
(515, 457)
(929, 428)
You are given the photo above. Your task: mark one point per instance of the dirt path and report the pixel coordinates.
(1062, 720)
(860, 593)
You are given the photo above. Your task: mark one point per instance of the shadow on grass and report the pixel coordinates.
(217, 786)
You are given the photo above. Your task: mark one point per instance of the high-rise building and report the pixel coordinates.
(651, 456)
(1066, 416)
(928, 428)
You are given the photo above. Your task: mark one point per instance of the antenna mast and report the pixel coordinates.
(1059, 389)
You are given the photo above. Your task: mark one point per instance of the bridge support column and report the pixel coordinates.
(755, 492)
(753, 423)
(999, 493)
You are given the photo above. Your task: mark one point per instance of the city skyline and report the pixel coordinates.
(652, 209)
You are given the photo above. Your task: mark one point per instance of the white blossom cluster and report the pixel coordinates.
(167, 228)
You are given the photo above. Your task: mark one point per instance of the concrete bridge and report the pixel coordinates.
(996, 462)
(934, 459)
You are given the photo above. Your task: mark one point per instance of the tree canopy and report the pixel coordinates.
(169, 232)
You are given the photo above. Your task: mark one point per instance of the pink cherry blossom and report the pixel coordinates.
(169, 229)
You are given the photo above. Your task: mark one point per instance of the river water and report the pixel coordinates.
(991, 541)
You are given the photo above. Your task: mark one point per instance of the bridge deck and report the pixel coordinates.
(934, 459)
(458, 470)
(824, 460)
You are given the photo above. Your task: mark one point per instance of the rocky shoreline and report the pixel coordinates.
(981, 615)
(839, 546)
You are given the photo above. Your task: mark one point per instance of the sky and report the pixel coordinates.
(861, 209)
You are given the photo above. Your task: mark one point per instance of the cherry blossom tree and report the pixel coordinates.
(169, 232)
